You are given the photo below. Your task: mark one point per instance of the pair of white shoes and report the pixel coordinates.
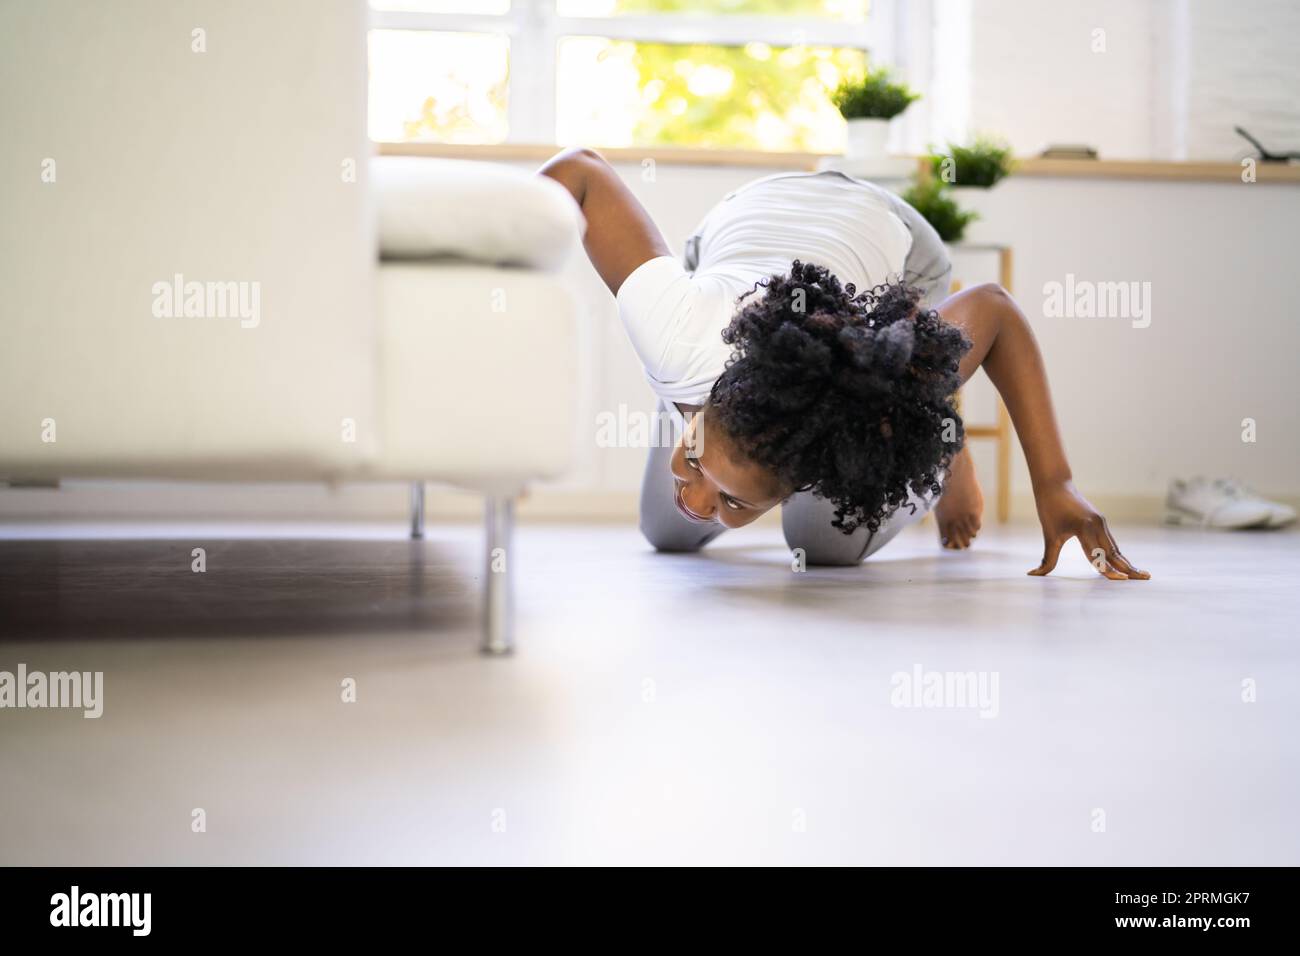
(1223, 503)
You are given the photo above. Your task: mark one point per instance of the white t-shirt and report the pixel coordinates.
(675, 318)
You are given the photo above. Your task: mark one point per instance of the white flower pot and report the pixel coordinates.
(977, 199)
(867, 138)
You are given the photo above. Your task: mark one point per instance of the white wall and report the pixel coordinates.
(1139, 405)
(1035, 79)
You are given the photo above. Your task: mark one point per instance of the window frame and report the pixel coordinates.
(533, 29)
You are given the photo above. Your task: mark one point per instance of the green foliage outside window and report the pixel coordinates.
(767, 98)
(849, 10)
(635, 93)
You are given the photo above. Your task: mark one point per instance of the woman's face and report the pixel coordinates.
(715, 484)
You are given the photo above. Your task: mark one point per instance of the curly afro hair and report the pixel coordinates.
(842, 393)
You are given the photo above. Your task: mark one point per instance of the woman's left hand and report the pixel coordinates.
(1066, 514)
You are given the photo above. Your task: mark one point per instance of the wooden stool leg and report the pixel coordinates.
(1005, 273)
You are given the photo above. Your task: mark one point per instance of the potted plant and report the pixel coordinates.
(977, 166)
(931, 198)
(970, 171)
(868, 104)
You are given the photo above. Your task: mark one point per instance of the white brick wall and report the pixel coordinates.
(1174, 78)
(1244, 60)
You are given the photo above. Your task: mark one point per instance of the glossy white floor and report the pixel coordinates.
(661, 709)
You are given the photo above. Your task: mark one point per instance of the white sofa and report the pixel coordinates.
(135, 164)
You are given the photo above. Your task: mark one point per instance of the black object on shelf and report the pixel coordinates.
(1068, 151)
(1265, 155)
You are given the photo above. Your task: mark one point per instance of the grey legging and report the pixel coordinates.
(805, 518)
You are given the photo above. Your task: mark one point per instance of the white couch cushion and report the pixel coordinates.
(480, 370)
(476, 211)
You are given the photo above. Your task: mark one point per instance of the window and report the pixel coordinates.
(740, 74)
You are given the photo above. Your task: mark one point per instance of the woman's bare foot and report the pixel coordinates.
(961, 506)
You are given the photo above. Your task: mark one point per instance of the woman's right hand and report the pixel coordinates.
(1064, 514)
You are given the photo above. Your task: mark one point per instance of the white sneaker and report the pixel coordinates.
(1280, 515)
(1209, 505)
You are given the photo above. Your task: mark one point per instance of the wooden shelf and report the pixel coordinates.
(1158, 170)
(1155, 169)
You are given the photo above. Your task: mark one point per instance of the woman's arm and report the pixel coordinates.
(1003, 343)
(620, 233)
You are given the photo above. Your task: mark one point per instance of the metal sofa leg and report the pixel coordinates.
(417, 510)
(498, 589)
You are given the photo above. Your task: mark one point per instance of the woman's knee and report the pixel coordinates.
(676, 539)
(806, 522)
(826, 547)
(827, 554)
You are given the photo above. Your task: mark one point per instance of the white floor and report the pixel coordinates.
(661, 709)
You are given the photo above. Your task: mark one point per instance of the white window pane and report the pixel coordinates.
(626, 93)
(439, 87)
(846, 11)
(486, 7)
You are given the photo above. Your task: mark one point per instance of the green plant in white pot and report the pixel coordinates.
(867, 104)
(981, 165)
(969, 172)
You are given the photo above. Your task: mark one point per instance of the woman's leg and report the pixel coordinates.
(960, 511)
(806, 521)
(666, 528)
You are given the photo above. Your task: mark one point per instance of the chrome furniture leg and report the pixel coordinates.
(417, 510)
(498, 611)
